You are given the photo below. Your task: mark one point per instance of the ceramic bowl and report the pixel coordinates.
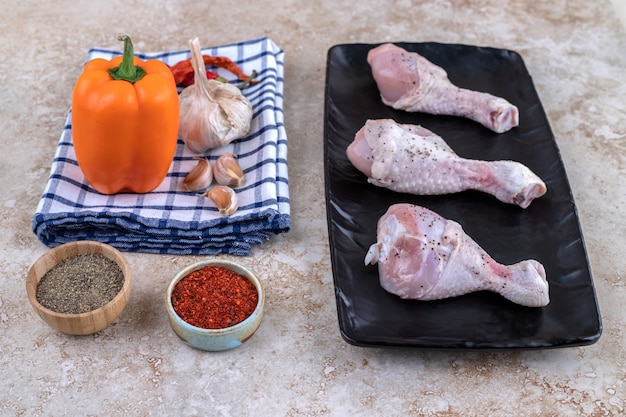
(83, 323)
(216, 339)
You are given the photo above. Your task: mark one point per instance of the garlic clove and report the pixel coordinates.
(227, 171)
(224, 198)
(200, 177)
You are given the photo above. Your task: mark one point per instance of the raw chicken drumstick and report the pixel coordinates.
(407, 81)
(411, 159)
(423, 256)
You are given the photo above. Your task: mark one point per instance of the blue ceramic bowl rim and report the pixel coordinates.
(234, 266)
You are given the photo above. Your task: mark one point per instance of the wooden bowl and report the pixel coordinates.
(83, 323)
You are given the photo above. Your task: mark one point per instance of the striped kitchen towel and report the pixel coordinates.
(169, 220)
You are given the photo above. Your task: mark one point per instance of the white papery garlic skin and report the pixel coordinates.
(212, 113)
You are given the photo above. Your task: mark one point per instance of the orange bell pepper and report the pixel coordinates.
(125, 117)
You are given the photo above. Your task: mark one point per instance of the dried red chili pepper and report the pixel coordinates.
(182, 70)
(189, 78)
(214, 297)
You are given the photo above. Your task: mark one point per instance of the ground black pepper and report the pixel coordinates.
(80, 283)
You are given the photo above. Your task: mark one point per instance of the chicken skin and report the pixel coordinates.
(423, 256)
(411, 159)
(407, 81)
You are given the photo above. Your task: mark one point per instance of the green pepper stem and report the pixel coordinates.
(127, 70)
(247, 81)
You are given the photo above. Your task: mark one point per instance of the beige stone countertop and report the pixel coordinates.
(297, 364)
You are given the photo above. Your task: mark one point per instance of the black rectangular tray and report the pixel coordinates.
(548, 231)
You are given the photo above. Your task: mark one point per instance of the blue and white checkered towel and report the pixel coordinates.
(169, 220)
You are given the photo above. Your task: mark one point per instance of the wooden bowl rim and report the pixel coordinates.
(102, 248)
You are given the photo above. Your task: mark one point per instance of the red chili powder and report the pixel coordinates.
(214, 297)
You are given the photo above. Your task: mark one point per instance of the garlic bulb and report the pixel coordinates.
(200, 177)
(212, 113)
(227, 171)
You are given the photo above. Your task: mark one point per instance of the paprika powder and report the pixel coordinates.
(125, 117)
(214, 297)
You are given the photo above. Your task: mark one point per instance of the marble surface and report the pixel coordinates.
(297, 364)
